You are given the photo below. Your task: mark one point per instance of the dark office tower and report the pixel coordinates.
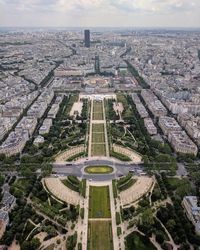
(97, 64)
(87, 38)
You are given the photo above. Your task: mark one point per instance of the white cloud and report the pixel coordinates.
(119, 12)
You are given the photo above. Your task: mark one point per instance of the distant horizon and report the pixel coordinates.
(100, 27)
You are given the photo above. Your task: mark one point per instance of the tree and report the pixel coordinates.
(34, 244)
(185, 246)
(1, 180)
(160, 237)
(171, 224)
(147, 217)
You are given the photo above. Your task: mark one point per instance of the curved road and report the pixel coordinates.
(77, 168)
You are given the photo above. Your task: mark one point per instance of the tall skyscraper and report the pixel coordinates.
(87, 38)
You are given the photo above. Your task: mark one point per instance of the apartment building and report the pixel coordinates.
(44, 129)
(168, 124)
(192, 211)
(15, 142)
(182, 143)
(152, 130)
(27, 123)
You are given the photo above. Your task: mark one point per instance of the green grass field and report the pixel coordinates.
(98, 128)
(97, 113)
(99, 202)
(98, 170)
(98, 150)
(98, 138)
(97, 116)
(98, 107)
(100, 235)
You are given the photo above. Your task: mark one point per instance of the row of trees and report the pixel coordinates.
(173, 216)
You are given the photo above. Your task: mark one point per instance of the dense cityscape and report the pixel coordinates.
(99, 139)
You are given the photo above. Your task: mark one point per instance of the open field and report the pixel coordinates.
(100, 235)
(98, 170)
(97, 113)
(99, 202)
(98, 149)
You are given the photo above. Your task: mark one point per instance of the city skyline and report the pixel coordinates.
(84, 13)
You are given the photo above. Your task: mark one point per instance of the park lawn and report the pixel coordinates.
(97, 116)
(97, 113)
(98, 170)
(100, 235)
(99, 202)
(98, 107)
(98, 128)
(98, 138)
(137, 241)
(98, 149)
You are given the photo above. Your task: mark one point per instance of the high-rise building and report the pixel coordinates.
(87, 38)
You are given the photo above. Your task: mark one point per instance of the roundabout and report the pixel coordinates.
(98, 169)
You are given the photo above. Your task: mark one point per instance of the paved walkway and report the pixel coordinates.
(134, 156)
(142, 185)
(62, 192)
(90, 131)
(116, 240)
(171, 241)
(99, 219)
(65, 155)
(82, 226)
(105, 130)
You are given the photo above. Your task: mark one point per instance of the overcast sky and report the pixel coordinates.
(92, 13)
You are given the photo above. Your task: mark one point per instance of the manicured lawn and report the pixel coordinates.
(97, 110)
(100, 235)
(98, 128)
(98, 170)
(97, 116)
(98, 138)
(99, 202)
(98, 150)
(136, 241)
(98, 107)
